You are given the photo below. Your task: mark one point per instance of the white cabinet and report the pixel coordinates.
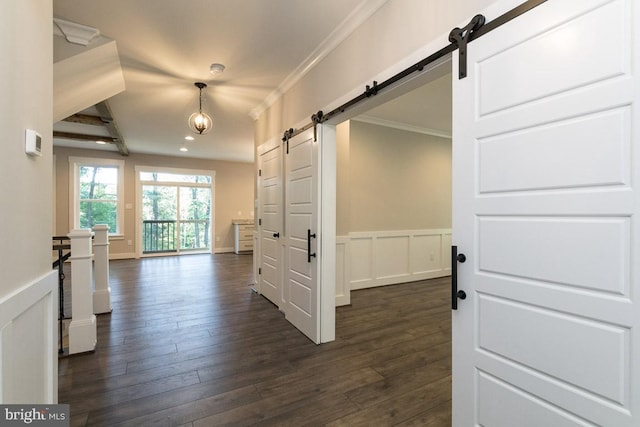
(243, 230)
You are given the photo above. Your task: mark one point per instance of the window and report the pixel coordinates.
(97, 193)
(176, 210)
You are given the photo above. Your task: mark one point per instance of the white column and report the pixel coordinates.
(102, 291)
(82, 330)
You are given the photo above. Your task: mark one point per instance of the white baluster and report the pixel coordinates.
(102, 291)
(82, 330)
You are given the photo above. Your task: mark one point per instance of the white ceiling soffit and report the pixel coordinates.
(337, 36)
(86, 79)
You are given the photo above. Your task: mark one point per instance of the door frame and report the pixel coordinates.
(327, 219)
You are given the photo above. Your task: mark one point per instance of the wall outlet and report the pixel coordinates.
(431, 257)
(129, 243)
(217, 238)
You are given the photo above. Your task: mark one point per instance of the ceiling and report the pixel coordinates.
(165, 46)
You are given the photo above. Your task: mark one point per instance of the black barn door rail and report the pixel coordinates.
(475, 29)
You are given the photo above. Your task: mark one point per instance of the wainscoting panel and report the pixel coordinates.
(28, 343)
(392, 258)
(387, 257)
(360, 259)
(343, 273)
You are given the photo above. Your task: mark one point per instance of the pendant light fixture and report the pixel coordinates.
(200, 122)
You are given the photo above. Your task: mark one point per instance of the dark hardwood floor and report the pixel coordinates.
(189, 344)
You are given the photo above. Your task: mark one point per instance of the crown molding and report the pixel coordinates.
(73, 32)
(360, 14)
(402, 126)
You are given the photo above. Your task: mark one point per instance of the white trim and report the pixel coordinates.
(54, 196)
(74, 190)
(326, 210)
(223, 250)
(343, 271)
(360, 14)
(402, 126)
(122, 255)
(176, 171)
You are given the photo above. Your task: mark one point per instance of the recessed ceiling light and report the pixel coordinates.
(216, 69)
(189, 138)
(183, 148)
(101, 142)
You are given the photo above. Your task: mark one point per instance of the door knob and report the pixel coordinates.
(276, 235)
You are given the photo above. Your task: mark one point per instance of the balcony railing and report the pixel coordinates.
(159, 236)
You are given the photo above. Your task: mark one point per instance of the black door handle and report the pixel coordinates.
(455, 293)
(276, 235)
(309, 237)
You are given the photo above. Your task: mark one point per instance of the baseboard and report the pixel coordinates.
(223, 250)
(131, 255)
(122, 255)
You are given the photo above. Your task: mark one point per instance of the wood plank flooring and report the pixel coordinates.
(189, 344)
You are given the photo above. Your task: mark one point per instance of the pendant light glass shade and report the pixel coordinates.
(200, 122)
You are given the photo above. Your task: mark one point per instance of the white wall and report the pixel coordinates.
(398, 180)
(27, 287)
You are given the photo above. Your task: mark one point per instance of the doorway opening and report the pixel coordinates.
(393, 192)
(394, 219)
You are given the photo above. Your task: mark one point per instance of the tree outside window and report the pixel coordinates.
(98, 196)
(97, 193)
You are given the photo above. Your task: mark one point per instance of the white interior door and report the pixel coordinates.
(270, 214)
(302, 232)
(545, 164)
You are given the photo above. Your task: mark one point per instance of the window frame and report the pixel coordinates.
(75, 163)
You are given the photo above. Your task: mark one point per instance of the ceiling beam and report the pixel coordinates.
(83, 137)
(107, 117)
(85, 119)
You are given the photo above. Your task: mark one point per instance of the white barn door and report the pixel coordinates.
(302, 230)
(546, 168)
(271, 224)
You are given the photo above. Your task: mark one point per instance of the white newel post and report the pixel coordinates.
(82, 330)
(102, 291)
